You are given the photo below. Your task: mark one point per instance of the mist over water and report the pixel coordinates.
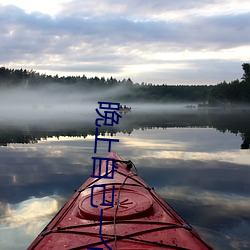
(53, 102)
(61, 107)
(61, 102)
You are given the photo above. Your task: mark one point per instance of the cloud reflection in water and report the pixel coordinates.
(198, 171)
(25, 220)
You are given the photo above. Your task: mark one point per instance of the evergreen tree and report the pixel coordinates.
(246, 69)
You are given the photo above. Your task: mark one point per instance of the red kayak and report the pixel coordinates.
(116, 209)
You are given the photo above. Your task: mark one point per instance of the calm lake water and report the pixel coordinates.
(197, 160)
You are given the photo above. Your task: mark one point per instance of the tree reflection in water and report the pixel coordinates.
(233, 121)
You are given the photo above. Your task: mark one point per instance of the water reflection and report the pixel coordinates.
(234, 121)
(191, 159)
(19, 222)
(33, 209)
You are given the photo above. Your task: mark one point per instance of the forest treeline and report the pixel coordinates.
(236, 91)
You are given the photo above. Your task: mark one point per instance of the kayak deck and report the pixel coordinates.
(126, 214)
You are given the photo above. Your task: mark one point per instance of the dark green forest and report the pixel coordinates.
(225, 93)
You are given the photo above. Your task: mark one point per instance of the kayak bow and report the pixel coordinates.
(132, 216)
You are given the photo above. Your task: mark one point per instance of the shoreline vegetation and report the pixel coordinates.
(223, 95)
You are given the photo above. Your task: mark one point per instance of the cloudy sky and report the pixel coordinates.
(154, 41)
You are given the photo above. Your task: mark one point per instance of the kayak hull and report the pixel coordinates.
(122, 212)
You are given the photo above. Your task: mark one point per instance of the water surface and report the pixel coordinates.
(193, 158)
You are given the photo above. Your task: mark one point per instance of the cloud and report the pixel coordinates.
(141, 9)
(92, 37)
